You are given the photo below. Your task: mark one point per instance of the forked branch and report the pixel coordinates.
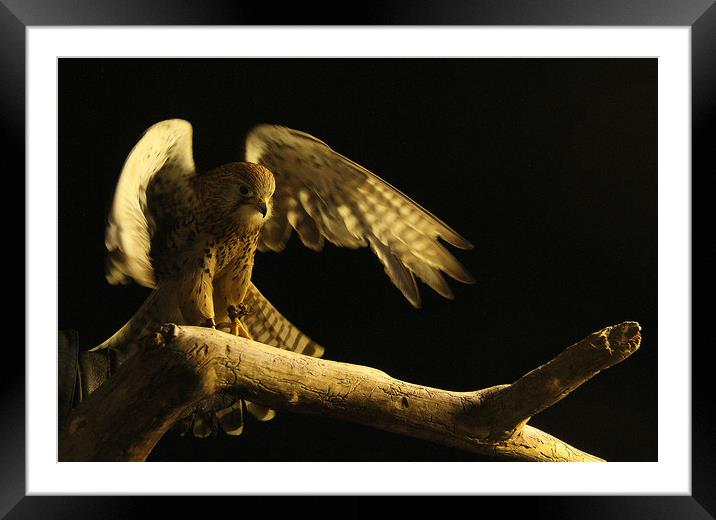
(126, 417)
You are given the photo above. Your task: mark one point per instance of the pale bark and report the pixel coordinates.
(126, 417)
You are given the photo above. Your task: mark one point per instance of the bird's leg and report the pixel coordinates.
(236, 327)
(196, 295)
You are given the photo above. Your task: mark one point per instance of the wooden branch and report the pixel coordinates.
(126, 417)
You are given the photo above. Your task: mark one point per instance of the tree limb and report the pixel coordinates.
(125, 418)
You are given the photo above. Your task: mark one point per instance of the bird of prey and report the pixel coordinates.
(191, 236)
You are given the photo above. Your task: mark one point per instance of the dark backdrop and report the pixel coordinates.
(549, 166)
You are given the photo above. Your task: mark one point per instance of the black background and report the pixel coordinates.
(549, 166)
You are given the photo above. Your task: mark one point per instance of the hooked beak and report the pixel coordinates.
(262, 207)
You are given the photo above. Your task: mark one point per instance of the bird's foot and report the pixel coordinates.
(209, 323)
(236, 327)
(238, 311)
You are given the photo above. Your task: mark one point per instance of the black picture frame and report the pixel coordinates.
(16, 16)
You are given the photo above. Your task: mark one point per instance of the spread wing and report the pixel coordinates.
(324, 195)
(267, 325)
(151, 189)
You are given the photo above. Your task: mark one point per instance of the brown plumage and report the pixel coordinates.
(192, 237)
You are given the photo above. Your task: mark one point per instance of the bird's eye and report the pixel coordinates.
(244, 190)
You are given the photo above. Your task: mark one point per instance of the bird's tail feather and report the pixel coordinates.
(231, 419)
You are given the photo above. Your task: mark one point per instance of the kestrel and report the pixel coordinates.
(191, 237)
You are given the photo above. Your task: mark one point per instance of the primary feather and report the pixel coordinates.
(324, 195)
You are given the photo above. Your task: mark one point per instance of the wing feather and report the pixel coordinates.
(396, 270)
(277, 230)
(154, 170)
(321, 193)
(307, 229)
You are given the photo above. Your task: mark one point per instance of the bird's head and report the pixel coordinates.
(243, 191)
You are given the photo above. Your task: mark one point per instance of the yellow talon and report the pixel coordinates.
(236, 327)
